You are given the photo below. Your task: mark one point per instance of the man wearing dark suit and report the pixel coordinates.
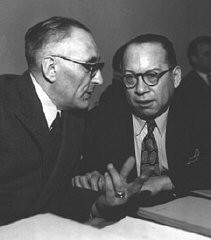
(169, 157)
(42, 122)
(195, 88)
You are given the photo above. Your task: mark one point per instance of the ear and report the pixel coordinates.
(49, 69)
(177, 75)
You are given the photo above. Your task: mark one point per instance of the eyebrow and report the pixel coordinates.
(93, 60)
(153, 69)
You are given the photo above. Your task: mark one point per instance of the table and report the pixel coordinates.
(48, 226)
(187, 218)
(51, 227)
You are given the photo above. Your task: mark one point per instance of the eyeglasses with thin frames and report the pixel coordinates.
(93, 68)
(150, 78)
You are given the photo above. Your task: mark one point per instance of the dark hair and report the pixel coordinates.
(53, 29)
(192, 48)
(154, 38)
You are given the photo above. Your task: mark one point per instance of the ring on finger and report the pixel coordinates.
(120, 194)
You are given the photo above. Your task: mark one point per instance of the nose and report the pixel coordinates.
(141, 87)
(97, 79)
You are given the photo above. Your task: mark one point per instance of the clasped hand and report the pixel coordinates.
(113, 185)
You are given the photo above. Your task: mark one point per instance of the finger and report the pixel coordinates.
(88, 178)
(101, 184)
(137, 184)
(116, 178)
(127, 167)
(73, 182)
(85, 182)
(96, 173)
(77, 181)
(94, 182)
(109, 186)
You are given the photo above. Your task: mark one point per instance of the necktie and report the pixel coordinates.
(56, 124)
(149, 152)
(55, 136)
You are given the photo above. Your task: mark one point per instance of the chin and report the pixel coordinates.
(147, 114)
(80, 105)
(83, 105)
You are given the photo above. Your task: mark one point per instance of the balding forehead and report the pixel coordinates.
(79, 44)
(134, 49)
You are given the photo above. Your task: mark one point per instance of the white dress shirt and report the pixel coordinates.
(140, 131)
(49, 108)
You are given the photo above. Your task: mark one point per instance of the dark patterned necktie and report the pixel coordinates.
(149, 152)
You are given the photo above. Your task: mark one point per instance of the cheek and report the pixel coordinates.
(72, 81)
(165, 94)
(130, 95)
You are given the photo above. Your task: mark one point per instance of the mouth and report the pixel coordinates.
(144, 103)
(87, 95)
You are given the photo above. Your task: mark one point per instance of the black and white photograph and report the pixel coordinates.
(105, 119)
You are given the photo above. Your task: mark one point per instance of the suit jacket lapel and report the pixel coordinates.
(28, 110)
(131, 147)
(177, 137)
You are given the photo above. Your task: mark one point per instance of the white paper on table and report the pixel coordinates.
(51, 227)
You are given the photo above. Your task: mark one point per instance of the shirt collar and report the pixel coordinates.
(49, 108)
(161, 122)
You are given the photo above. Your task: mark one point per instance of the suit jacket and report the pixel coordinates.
(24, 139)
(109, 138)
(196, 96)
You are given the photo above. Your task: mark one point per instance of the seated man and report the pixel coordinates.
(152, 125)
(42, 123)
(195, 87)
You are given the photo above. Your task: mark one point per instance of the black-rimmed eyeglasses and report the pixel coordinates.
(150, 78)
(93, 68)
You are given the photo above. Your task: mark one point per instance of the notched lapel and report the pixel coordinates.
(178, 137)
(37, 130)
(28, 109)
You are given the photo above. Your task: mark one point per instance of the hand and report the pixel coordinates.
(116, 183)
(93, 180)
(157, 184)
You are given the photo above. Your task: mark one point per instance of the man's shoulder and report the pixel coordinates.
(9, 76)
(178, 107)
(13, 86)
(192, 86)
(8, 79)
(191, 79)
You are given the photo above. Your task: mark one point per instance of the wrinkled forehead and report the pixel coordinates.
(79, 45)
(145, 55)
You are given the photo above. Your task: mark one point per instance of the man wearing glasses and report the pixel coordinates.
(150, 128)
(42, 123)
